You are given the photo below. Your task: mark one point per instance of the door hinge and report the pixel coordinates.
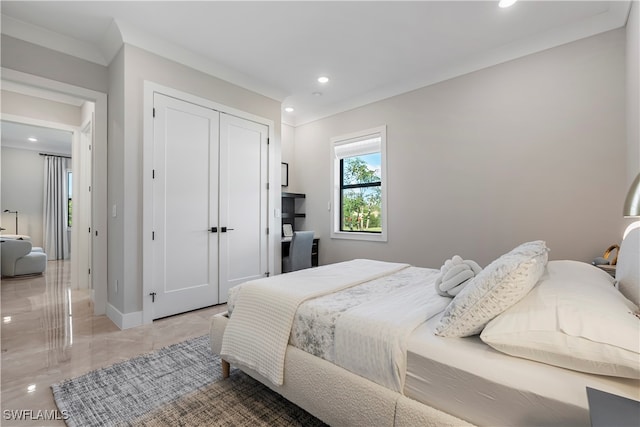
(89, 230)
(267, 185)
(267, 230)
(89, 271)
(267, 274)
(154, 112)
(89, 189)
(153, 235)
(89, 147)
(268, 142)
(153, 174)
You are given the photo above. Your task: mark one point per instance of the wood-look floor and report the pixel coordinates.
(49, 333)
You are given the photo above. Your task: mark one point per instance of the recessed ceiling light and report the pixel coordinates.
(323, 79)
(32, 139)
(317, 94)
(506, 3)
(289, 109)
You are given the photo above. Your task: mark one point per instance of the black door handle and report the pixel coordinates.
(224, 229)
(214, 229)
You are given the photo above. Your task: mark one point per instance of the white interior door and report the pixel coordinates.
(82, 211)
(243, 201)
(185, 207)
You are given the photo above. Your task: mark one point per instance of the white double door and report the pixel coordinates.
(210, 197)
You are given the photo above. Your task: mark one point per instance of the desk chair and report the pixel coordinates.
(299, 252)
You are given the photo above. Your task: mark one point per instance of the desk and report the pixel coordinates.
(286, 243)
(15, 236)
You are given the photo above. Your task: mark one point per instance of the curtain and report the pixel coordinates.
(56, 238)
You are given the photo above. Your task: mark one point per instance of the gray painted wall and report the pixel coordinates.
(534, 148)
(18, 104)
(30, 58)
(115, 177)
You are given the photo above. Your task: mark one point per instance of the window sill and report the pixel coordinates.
(367, 237)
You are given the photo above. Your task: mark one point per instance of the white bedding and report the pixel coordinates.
(371, 338)
(258, 331)
(364, 328)
(467, 378)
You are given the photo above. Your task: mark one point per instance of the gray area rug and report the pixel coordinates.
(179, 385)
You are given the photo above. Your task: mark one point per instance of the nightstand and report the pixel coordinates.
(606, 409)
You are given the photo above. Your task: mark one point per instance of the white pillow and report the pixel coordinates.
(575, 318)
(500, 285)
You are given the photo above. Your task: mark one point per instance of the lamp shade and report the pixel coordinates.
(632, 202)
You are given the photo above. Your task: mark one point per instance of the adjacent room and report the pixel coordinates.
(320, 213)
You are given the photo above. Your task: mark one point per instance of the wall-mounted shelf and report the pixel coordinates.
(289, 208)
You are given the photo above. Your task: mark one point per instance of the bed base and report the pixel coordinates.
(337, 396)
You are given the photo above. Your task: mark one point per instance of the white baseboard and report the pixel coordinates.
(124, 321)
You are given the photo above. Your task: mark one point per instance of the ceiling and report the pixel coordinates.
(369, 50)
(14, 135)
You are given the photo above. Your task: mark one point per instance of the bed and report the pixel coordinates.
(524, 357)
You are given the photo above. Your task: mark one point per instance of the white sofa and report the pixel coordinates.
(19, 257)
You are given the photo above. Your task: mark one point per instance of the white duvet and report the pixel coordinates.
(364, 328)
(258, 331)
(371, 338)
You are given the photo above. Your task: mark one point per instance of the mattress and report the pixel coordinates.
(467, 378)
(460, 376)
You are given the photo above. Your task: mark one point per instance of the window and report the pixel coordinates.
(69, 197)
(359, 185)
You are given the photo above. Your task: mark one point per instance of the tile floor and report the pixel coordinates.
(49, 333)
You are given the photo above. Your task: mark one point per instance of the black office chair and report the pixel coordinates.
(299, 252)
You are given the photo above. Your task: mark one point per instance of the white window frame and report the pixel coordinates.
(380, 131)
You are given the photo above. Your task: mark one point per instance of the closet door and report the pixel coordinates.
(243, 201)
(185, 207)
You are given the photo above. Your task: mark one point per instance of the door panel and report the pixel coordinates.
(243, 201)
(185, 206)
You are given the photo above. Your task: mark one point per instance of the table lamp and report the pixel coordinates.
(632, 202)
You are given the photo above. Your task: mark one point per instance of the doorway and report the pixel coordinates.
(45, 88)
(56, 220)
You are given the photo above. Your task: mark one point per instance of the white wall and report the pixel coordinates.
(530, 149)
(633, 92)
(22, 190)
(288, 155)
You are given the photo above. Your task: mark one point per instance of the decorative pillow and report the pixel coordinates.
(500, 285)
(576, 319)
